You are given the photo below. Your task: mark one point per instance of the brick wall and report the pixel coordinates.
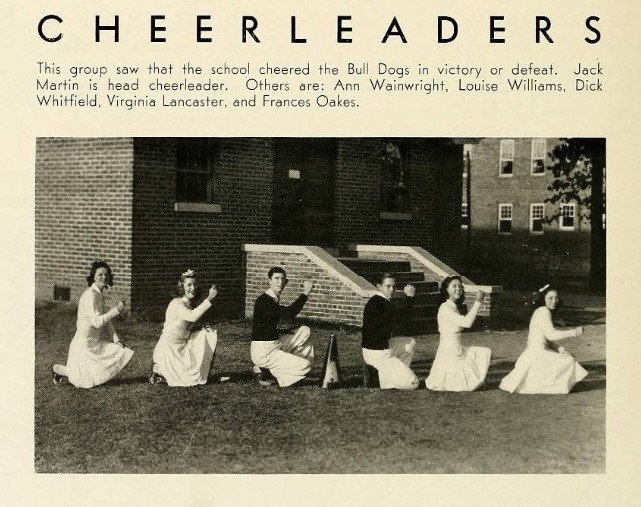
(331, 300)
(167, 242)
(435, 196)
(85, 185)
(521, 258)
(83, 210)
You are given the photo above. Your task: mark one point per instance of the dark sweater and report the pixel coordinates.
(267, 314)
(380, 318)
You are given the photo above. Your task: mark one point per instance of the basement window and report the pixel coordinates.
(61, 293)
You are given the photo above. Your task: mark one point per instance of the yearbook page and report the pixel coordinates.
(321, 253)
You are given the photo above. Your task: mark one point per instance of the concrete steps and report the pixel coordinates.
(427, 298)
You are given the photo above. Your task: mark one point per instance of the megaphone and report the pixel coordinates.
(331, 376)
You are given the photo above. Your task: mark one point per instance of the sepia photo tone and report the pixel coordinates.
(484, 256)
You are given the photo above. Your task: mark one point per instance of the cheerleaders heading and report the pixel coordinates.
(51, 28)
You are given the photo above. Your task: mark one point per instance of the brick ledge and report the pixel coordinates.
(324, 260)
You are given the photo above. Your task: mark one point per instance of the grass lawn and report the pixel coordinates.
(130, 426)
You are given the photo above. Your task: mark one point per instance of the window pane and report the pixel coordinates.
(506, 167)
(539, 147)
(394, 179)
(568, 221)
(505, 226)
(507, 149)
(194, 170)
(568, 213)
(537, 225)
(538, 167)
(505, 212)
(191, 187)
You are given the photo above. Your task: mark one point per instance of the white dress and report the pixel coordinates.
(181, 356)
(455, 367)
(540, 370)
(94, 358)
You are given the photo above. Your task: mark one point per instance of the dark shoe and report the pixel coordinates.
(157, 379)
(58, 380)
(263, 376)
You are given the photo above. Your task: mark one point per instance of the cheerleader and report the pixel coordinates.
(544, 367)
(183, 355)
(455, 367)
(96, 354)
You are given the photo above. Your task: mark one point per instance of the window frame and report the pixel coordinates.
(541, 144)
(399, 189)
(505, 205)
(533, 206)
(572, 206)
(506, 157)
(188, 203)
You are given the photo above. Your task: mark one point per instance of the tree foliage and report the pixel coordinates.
(578, 168)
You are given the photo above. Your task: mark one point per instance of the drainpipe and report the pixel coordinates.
(468, 191)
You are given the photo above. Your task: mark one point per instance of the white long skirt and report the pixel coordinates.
(542, 371)
(186, 363)
(95, 362)
(458, 368)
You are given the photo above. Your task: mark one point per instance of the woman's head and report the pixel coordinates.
(100, 274)
(452, 288)
(187, 286)
(547, 296)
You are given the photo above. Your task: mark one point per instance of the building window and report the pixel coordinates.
(505, 219)
(394, 179)
(465, 216)
(539, 147)
(567, 217)
(195, 170)
(537, 218)
(506, 157)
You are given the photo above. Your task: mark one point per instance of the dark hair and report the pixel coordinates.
(95, 267)
(180, 288)
(538, 296)
(382, 276)
(444, 296)
(274, 270)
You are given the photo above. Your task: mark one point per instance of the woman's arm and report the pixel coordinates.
(188, 314)
(193, 315)
(452, 315)
(93, 308)
(551, 333)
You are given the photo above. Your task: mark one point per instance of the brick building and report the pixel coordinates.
(153, 207)
(511, 235)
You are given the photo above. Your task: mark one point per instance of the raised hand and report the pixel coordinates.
(480, 295)
(409, 290)
(120, 306)
(308, 285)
(213, 292)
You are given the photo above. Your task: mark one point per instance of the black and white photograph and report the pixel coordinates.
(320, 305)
(332, 253)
